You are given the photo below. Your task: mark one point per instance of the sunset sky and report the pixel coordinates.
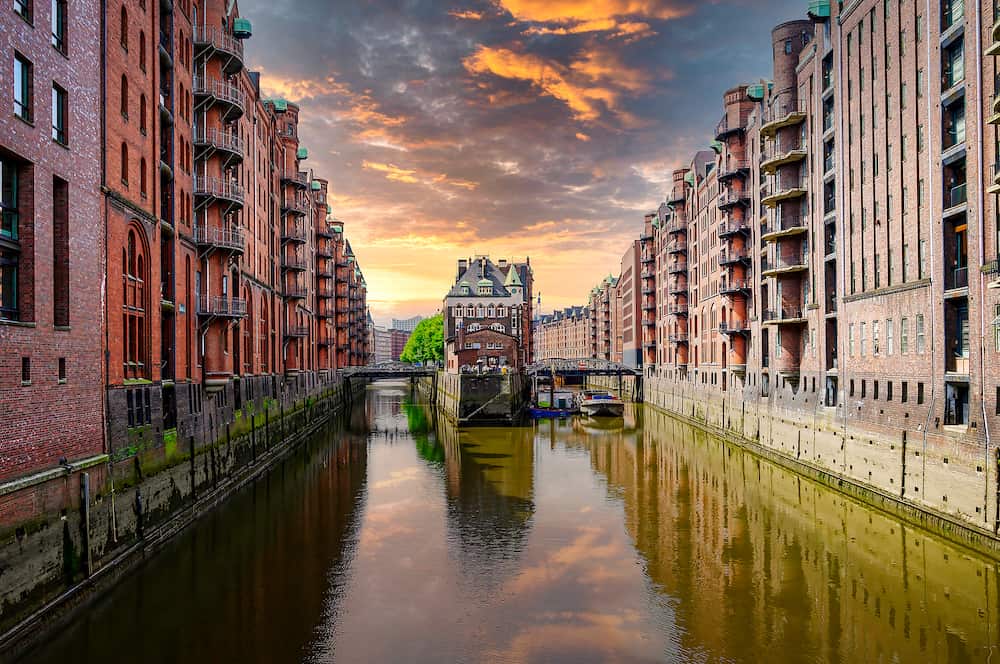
(541, 128)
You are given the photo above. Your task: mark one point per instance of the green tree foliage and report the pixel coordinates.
(426, 344)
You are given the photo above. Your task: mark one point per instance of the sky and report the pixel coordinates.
(539, 129)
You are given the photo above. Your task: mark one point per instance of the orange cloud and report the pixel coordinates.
(582, 137)
(466, 14)
(574, 11)
(588, 86)
(411, 176)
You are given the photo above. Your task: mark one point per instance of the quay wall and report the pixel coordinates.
(91, 524)
(906, 465)
(471, 399)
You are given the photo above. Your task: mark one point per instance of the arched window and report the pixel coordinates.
(142, 50)
(134, 327)
(248, 325)
(123, 106)
(491, 312)
(142, 113)
(124, 28)
(263, 335)
(124, 164)
(142, 176)
(500, 312)
(480, 311)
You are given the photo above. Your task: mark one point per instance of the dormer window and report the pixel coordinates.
(485, 290)
(465, 290)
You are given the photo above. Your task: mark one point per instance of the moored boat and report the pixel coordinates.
(560, 403)
(598, 403)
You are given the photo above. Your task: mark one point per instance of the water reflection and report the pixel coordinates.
(398, 538)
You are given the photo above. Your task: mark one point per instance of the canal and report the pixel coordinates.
(392, 537)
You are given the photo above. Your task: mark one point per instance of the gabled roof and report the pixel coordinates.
(494, 277)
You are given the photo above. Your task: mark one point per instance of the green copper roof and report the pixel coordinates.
(329, 210)
(484, 282)
(337, 228)
(280, 105)
(315, 185)
(513, 278)
(242, 28)
(756, 91)
(819, 9)
(689, 178)
(302, 153)
(717, 146)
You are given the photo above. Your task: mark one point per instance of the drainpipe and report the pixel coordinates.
(982, 253)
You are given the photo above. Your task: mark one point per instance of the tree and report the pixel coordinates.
(426, 344)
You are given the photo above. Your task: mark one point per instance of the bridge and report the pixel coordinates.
(388, 370)
(587, 366)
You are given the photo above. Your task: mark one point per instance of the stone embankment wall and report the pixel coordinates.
(908, 466)
(117, 518)
(470, 399)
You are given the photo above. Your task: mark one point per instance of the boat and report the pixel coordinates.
(598, 403)
(558, 403)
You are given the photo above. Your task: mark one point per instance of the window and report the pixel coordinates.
(60, 252)
(134, 307)
(850, 340)
(59, 109)
(904, 391)
(920, 334)
(62, 369)
(788, 47)
(864, 340)
(124, 165)
(123, 38)
(25, 370)
(59, 25)
(142, 114)
(142, 50)
(920, 393)
(23, 9)
(142, 177)
(22, 87)
(123, 101)
(852, 387)
(10, 248)
(875, 390)
(904, 336)
(889, 337)
(875, 339)
(864, 388)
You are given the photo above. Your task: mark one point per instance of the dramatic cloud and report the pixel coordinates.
(541, 128)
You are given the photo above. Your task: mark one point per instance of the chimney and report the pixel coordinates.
(462, 267)
(503, 263)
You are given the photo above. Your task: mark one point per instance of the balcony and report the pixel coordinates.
(677, 247)
(677, 268)
(217, 306)
(220, 238)
(731, 256)
(297, 178)
(956, 278)
(786, 225)
(210, 42)
(994, 45)
(731, 196)
(676, 227)
(297, 331)
(955, 196)
(212, 91)
(734, 286)
(785, 315)
(325, 312)
(733, 168)
(678, 338)
(734, 326)
(676, 197)
(294, 234)
(783, 264)
(783, 114)
(677, 309)
(727, 128)
(732, 227)
(297, 204)
(772, 160)
(217, 139)
(788, 189)
(648, 258)
(295, 291)
(324, 251)
(678, 289)
(324, 292)
(210, 188)
(293, 263)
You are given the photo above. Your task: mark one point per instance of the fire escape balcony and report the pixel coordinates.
(731, 256)
(293, 263)
(785, 315)
(298, 204)
(678, 338)
(677, 247)
(784, 114)
(220, 238)
(325, 312)
(732, 196)
(734, 168)
(324, 273)
(208, 189)
(676, 197)
(677, 310)
(734, 286)
(218, 140)
(297, 178)
(217, 306)
(210, 91)
(727, 128)
(678, 289)
(297, 331)
(294, 234)
(324, 251)
(295, 291)
(648, 258)
(787, 225)
(784, 264)
(209, 42)
(327, 341)
(325, 292)
(771, 160)
(679, 267)
(733, 226)
(994, 45)
(676, 227)
(786, 190)
(734, 326)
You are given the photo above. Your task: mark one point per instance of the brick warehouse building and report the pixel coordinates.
(194, 267)
(832, 255)
(563, 334)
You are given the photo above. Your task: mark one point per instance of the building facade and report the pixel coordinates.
(162, 261)
(382, 340)
(398, 339)
(563, 334)
(405, 324)
(488, 297)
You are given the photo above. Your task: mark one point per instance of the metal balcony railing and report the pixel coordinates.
(785, 224)
(297, 178)
(219, 40)
(294, 233)
(734, 326)
(732, 255)
(293, 262)
(207, 86)
(295, 291)
(956, 195)
(733, 226)
(224, 238)
(298, 204)
(733, 168)
(216, 305)
(220, 139)
(783, 314)
(214, 187)
(784, 262)
(677, 246)
(297, 331)
(728, 286)
(675, 268)
(957, 278)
